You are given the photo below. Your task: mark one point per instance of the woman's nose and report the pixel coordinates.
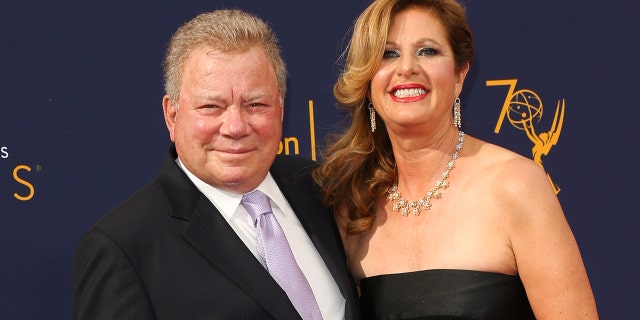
(408, 65)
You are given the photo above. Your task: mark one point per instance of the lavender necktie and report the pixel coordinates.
(277, 257)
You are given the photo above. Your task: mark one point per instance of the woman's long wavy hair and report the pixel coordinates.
(358, 165)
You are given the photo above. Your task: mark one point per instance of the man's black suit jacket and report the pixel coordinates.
(167, 253)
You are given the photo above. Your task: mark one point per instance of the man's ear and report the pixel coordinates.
(170, 110)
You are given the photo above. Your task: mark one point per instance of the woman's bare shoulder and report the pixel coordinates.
(494, 158)
(510, 177)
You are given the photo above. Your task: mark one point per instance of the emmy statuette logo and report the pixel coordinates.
(523, 109)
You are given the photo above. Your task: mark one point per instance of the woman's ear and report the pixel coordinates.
(460, 76)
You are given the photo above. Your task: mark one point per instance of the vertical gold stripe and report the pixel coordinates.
(312, 131)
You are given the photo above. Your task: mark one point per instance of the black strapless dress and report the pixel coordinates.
(444, 294)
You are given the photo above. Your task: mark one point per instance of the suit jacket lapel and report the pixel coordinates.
(212, 236)
(319, 225)
(314, 221)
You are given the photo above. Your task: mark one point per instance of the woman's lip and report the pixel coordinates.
(408, 99)
(408, 86)
(408, 93)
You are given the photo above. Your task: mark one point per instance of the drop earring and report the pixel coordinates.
(456, 113)
(372, 117)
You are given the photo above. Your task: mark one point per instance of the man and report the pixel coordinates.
(185, 246)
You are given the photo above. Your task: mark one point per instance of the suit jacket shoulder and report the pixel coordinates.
(167, 252)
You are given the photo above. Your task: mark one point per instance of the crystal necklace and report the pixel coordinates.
(415, 207)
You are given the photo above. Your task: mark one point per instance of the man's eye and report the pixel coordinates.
(210, 109)
(257, 107)
(427, 52)
(390, 53)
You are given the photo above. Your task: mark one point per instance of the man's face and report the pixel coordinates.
(228, 123)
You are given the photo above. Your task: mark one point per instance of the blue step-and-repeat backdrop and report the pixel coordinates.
(81, 126)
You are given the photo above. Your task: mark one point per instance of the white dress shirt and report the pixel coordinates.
(325, 289)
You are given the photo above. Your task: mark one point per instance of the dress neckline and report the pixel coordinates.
(440, 271)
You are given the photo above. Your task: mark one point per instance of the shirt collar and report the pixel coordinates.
(227, 202)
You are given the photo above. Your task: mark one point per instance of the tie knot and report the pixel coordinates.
(256, 203)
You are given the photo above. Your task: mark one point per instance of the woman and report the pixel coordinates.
(436, 222)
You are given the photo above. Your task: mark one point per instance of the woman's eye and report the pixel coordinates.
(390, 53)
(427, 52)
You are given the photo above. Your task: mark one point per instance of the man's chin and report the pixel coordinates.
(239, 179)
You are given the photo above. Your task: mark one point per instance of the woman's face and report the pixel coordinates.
(416, 82)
